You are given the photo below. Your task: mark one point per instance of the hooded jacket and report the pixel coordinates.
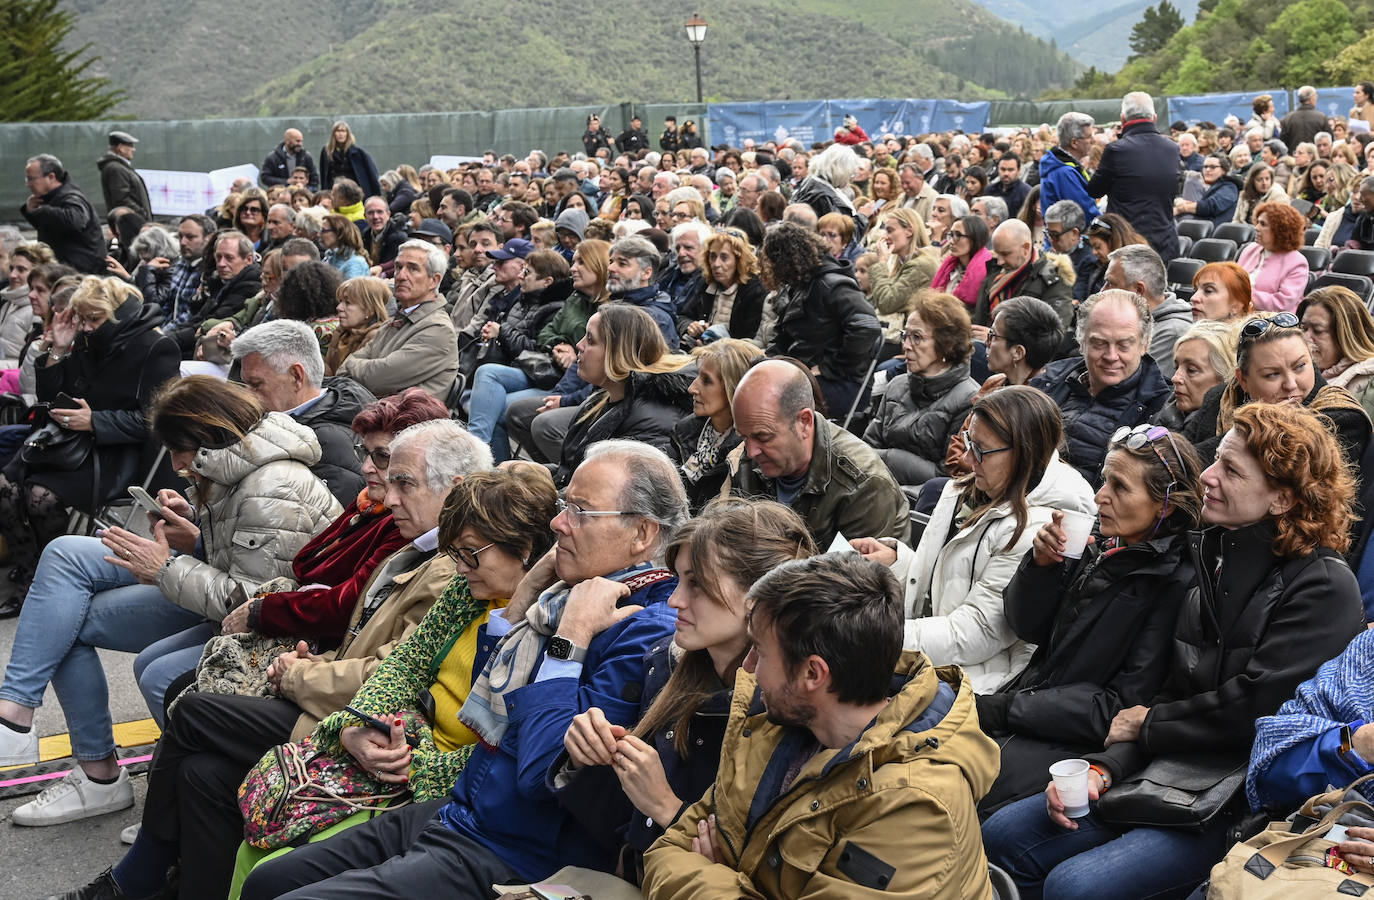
(116, 369)
(954, 607)
(893, 812)
(526, 319)
(1139, 176)
(653, 404)
(258, 505)
(66, 222)
(1171, 318)
(122, 186)
(1089, 420)
(827, 322)
(331, 418)
(16, 320)
(1063, 178)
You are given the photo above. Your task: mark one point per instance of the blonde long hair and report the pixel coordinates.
(633, 344)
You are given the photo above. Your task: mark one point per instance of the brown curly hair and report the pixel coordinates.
(1287, 224)
(1296, 450)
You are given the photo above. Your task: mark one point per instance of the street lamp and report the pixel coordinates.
(696, 33)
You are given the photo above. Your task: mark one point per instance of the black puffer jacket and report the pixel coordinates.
(229, 299)
(401, 197)
(745, 314)
(685, 435)
(824, 199)
(1089, 421)
(1102, 647)
(331, 418)
(652, 405)
(521, 324)
(117, 374)
(1352, 425)
(919, 414)
(1246, 638)
(827, 322)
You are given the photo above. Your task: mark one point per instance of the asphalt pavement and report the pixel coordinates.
(46, 861)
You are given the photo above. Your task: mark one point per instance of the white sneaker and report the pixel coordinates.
(18, 749)
(130, 833)
(76, 797)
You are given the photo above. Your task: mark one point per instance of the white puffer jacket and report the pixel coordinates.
(260, 506)
(965, 577)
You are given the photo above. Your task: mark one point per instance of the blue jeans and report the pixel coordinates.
(1096, 862)
(79, 602)
(494, 387)
(164, 661)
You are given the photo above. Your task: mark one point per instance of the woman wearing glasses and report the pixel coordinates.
(1218, 202)
(921, 407)
(967, 256)
(1273, 601)
(1105, 644)
(982, 525)
(1274, 364)
(251, 217)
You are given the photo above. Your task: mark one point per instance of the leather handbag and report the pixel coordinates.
(538, 368)
(54, 449)
(1177, 790)
(1288, 861)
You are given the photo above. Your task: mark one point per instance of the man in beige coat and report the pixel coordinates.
(418, 347)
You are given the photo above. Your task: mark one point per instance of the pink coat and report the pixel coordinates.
(977, 270)
(1279, 284)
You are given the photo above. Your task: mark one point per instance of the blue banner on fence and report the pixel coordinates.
(777, 120)
(876, 117)
(1215, 108)
(1335, 101)
(816, 120)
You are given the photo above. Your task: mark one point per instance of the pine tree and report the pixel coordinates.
(1155, 28)
(39, 81)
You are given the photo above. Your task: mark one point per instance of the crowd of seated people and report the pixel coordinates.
(702, 515)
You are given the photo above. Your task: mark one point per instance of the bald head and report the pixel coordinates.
(1011, 244)
(775, 415)
(293, 140)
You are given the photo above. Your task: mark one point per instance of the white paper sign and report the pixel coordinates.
(174, 193)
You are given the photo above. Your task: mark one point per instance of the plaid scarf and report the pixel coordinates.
(513, 662)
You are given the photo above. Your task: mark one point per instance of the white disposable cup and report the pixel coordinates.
(1077, 526)
(1071, 781)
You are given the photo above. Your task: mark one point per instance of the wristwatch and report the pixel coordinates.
(562, 648)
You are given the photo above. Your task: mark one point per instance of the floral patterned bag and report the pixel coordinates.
(297, 789)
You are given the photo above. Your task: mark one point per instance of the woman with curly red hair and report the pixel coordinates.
(1273, 601)
(1278, 272)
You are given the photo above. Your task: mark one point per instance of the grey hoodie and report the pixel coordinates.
(1171, 318)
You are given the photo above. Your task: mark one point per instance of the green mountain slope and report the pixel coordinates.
(195, 58)
(1094, 34)
(1243, 45)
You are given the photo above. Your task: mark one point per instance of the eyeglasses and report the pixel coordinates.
(381, 457)
(915, 337)
(681, 217)
(467, 555)
(992, 336)
(326, 230)
(256, 210)
(957, 235)
(1054, 235)
(1258, 326)
(577, 516)
(977, 451)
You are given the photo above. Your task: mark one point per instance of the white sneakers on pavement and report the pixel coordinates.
(76, 797)
(18, 749)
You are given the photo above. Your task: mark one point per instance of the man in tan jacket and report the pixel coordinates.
(856, 781)
(418, 347)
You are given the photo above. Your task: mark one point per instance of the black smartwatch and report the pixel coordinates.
(562, 648)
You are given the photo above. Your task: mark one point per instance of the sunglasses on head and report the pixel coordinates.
(1258, 326)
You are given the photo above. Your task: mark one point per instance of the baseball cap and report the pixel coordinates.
(432, 228)
(515, 248)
